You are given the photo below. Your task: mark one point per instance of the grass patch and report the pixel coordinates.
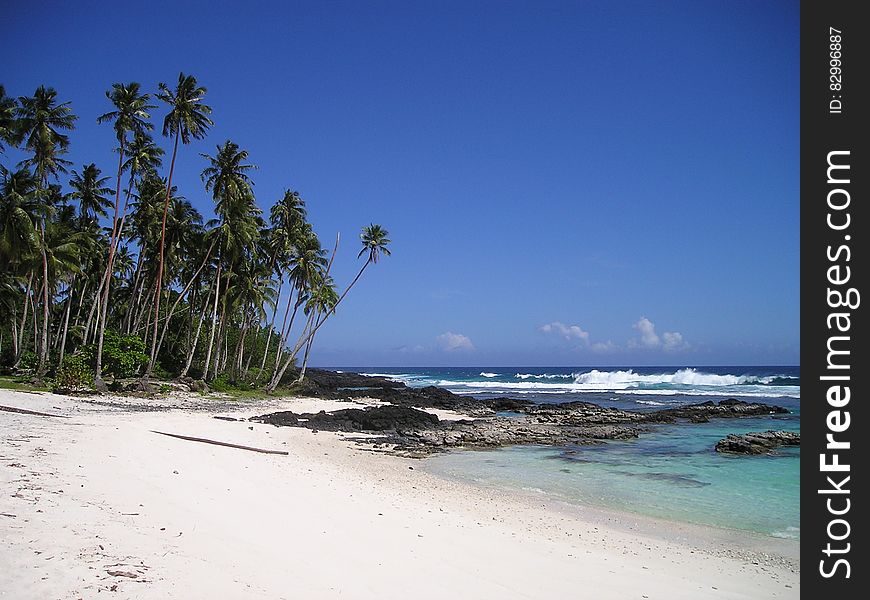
(16, 383)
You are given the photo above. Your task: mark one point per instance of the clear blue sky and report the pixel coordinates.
(565, 183)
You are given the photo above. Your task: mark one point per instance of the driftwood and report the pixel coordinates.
(218, 443)
(122, 574)
(24, 411)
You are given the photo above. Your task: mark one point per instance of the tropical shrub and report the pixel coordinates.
(75, 375)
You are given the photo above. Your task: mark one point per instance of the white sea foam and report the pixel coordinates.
(789, 533)
(686, 381)
(624, 381)
(651, 402)
(544, 376)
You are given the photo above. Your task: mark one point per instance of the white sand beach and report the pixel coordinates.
(97, 505)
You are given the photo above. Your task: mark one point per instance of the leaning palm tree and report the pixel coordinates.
(307, 261)
(41, 120)
(321, 302)
(374, 241)
(187, 119)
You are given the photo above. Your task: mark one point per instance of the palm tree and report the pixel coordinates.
(183, 234)
(187, 119)
(64, 250)
(287, 217)
(8, 120)
(308, 261)
(129, 117)
(19, 210)
(90, 191)
(322, 301)
(226, 177)
(374, 241)
(41, 120)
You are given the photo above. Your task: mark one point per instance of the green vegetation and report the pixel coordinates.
(16, 383)
(121, 277)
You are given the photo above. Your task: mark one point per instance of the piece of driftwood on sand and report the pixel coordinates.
(219, 443)
(24, 411)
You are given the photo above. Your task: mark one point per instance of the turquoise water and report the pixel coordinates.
(672, 472)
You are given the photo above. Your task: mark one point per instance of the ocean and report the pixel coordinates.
(670, 473)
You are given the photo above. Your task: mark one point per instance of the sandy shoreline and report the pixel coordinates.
(98, 503)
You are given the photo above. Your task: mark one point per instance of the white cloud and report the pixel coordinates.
(648, 336)
(411, 349)
(566, 331)
(604, 347)
(673, 341)
(450, 341)
(670, 341)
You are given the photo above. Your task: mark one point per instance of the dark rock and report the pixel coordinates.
(724, 409)
(380, 418)
(414, 432)
(283, 418)
(508, 404)
(759, 442)
(141, 385)
(100, 385)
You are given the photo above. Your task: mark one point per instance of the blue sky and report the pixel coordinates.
(565, 183)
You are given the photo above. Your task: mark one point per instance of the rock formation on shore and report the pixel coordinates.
(759, 442)
(411, 431)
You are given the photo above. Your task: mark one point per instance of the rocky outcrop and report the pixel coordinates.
(416, 432)
(759, 442)
(700, 413)
(380, 418)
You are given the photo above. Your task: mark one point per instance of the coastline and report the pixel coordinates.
(99, 492)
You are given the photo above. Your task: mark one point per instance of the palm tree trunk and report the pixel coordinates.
(223, 334)
(240, 345)
(274, 383)
(94, 306)
(42, 365)
(305, 359)
(113, 244)
(144, 313)
(272, 326)
(65, 324)
(213, 320)
(33, 320)
(13, 322)
(181, 295)
(192, 350)
(28, 291)
(60, 330)
(160, 264)
(276, 379)
(285, 329)
(247, 368)
(136, 292)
